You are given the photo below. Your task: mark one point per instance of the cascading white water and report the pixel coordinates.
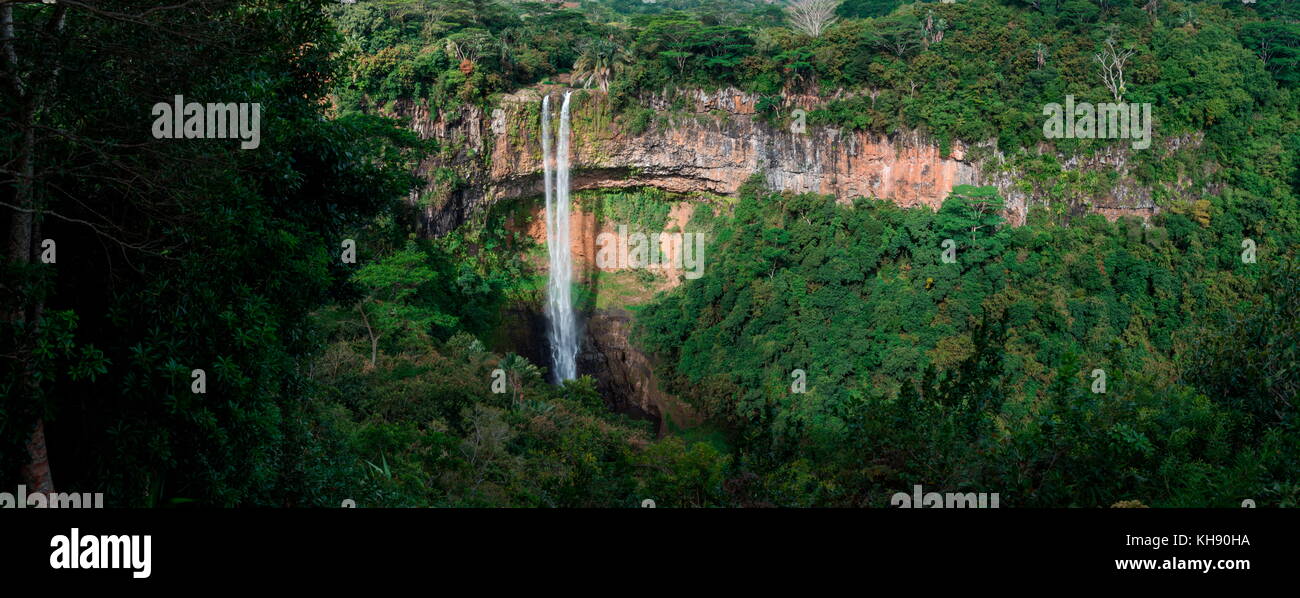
(559, 288)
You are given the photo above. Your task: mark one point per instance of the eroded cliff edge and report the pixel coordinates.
(713, 142)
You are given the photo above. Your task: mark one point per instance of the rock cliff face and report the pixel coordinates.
(714, 142)
(624, 375)
(719, 143)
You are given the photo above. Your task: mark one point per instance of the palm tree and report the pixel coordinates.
(598, 63)
(519, 371)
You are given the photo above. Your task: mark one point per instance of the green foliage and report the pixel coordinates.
(973, 71)
(329, 380)
(418, 293)
(176, 255)
(429, 425)
(643, 210)
(975, 376)
(452, 52)
(1248, 358)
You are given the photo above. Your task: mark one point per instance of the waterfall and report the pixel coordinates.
(562, 324)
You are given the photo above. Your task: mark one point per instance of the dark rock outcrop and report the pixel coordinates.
(624, 375)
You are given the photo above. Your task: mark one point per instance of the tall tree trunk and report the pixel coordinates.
(36, 473)
(20, 227)
(22, 232)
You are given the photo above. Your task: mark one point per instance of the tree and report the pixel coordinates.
(668, 38)
(895, 34)
(1112, 61)
(173, 254)
(1278, 45)
(931, 32)
(599, 62)
(866, 8)
(520, 372)
(467, 46)
(970, 209)
(415, 295)
(812, 17)
(29, 87)
(1249, 358)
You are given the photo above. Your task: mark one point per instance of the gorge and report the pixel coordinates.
(695, 142)
(687, 252)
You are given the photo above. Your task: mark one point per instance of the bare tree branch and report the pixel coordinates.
(1112, 60)
(812, 17)
(92, 226)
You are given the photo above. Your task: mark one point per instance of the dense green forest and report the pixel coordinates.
(979, 373)
(377, 379)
